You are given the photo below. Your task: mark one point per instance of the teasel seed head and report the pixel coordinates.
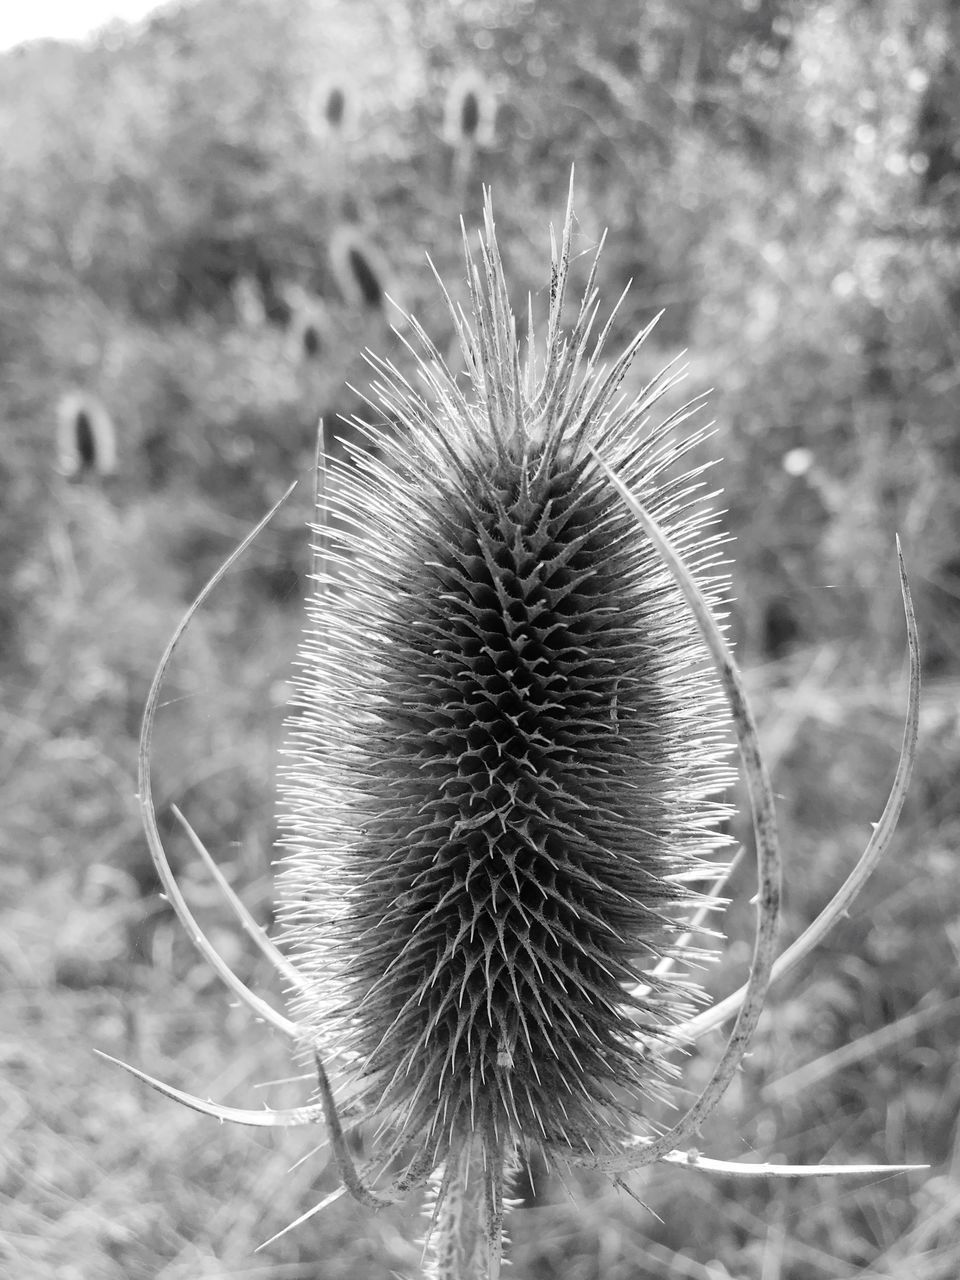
(311, 327)
(469, 112)
(86, 439)
(329, 109)
(506, 758)
(360, 272)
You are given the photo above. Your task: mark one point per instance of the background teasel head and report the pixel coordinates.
(469, 112)
(359, 269)
(311, 331)
(330, 109)
(507, 762)
(86, 439)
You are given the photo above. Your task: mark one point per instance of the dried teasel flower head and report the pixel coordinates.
(503, 778)
(86, 439)
(469, 112)
(330, 109)
(359, 269)
(311, 335)
(507, 758)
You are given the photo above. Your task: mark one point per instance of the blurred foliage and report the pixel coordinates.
(179, 218)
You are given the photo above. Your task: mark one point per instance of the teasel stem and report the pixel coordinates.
(466, 1197)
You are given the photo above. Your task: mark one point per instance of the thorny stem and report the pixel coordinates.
(345, 1166)
(456, 1244)
(743, 1169)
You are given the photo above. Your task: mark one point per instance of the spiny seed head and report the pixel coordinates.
(507, 756)
(310, 326)
(329, 109)
(86, 440)
(469, 114)
(359, 270)
(469, 111)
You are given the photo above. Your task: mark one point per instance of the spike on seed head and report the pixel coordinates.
(506, 755)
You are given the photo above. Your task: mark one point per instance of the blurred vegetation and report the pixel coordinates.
(195, 235)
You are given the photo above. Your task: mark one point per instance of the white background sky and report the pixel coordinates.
(63, 19)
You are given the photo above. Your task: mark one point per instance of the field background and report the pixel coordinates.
(784, 178)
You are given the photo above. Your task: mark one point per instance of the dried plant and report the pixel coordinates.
(361, 274)
(86, 439)
(469, 112)
(329, 109)
(469, 117)
(503, 782)
(311, 328)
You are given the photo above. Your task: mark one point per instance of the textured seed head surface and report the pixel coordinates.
(506, 759)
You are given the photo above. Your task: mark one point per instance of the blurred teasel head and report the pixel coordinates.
(329, 109)
(86, 439)
(310, 326)
(334, 106)
(506, 765)
(469, 112)
(359, 269)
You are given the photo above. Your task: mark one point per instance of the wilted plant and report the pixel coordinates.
(86, 439)
(504, 782)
